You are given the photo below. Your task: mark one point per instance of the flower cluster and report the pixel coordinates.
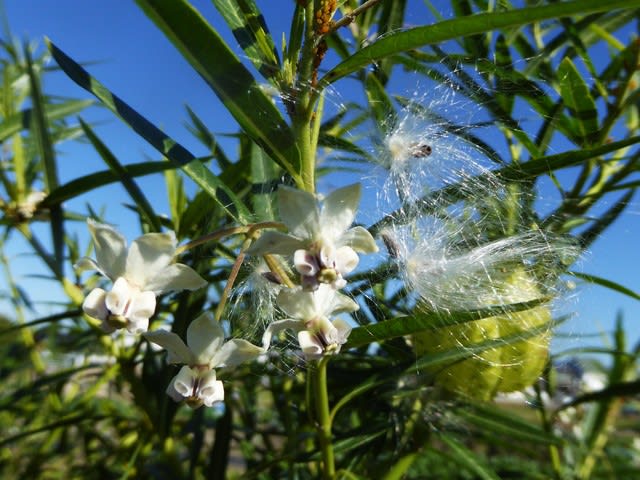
(323, 247)
(322, 244)
(204, 351)
(139, 274)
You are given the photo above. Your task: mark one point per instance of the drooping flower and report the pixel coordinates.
(139, 274)
(323, 246)
(204, 351)
(309, 314)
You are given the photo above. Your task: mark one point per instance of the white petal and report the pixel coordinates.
(310, 345)
(297, 303)
(210, 389)
(148, 256)
(276, 327)
(119, 298)
(110, 247)
(298, 211)
(339, 210)
(275, 242)
(204, 337)
(175, 277)
(86, 263)
(177, 351)
(359, 239)
(173, 393)
(142, 305)
(335, 303)
(343, 329)
(305, 263)
(346, 259)
(137, 325)
(94, 304)
(339, 283)
(325, 328)
(234, 352)
(184, 382)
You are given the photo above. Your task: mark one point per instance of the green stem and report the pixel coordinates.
(301, 119)
(324, 420)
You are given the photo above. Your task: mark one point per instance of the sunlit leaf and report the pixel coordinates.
(459, 27)
(159, 140)
(210, 56)
(579, 101)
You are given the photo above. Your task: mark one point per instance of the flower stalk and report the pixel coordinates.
(323, 418)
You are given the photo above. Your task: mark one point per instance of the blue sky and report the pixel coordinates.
(134, 60)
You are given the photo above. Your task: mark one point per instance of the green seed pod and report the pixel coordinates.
(504, 369)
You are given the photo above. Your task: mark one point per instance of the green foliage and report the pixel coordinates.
(79, 403)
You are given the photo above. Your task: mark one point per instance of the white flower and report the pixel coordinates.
(139, 274)
(309, 314)
(204, 351)
(323, 246)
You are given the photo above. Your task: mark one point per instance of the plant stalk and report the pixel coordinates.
(323, 418)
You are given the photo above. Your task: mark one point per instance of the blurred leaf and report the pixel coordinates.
(52, 112)
(160, 141)
(504, 424)
(250, 30)
(380, 104)
(606, 283)
(96, 180)
(579, 101)
(210, 56)
(587, 237)
(611, 392)
(460, 27)
(145, 208)
(407, 325)
(176, 197)
(466, 458)
(265, 175)
(47, 157)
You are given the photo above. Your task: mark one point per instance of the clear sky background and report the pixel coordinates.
(135, 61)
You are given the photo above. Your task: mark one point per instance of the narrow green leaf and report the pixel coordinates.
(265, 175)
(47, 156)
(453, 355)
(391, 19)
(466, 458)
(202, 133)
(607, 218)
(576, 96)
(92, 181)
(399, 469)
(603, 282)
(611, 392)
(460, 27)
(407, 325)
(146, 210)
(210, 56)
(22, 119)
(250, 30)
(176, 197)
(175, 152)
(505, 94)
(194, 214)
(501, 422)
(380, 104)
